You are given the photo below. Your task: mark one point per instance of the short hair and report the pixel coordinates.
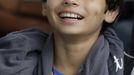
(114, 4)
(44, 0)
(111, 4)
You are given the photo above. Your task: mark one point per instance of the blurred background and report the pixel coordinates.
(19, 14)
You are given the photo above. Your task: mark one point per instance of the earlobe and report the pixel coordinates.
(43, 9)
(110, 16)
(43, 12)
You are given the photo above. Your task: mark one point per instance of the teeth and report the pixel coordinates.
(70, 15)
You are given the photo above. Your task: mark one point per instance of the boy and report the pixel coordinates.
(77, 46)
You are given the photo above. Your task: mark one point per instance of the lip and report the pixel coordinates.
(69, 21)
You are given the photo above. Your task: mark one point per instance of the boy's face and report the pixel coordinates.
(77, 16)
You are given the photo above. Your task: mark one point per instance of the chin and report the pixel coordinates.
(71, 32)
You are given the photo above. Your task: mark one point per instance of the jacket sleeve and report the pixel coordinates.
(19, 52)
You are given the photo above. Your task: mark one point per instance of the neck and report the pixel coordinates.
(71, 52)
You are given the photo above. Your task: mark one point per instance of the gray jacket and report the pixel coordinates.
(30, 52)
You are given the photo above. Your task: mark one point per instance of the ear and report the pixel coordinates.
(44, 9)
(110, 16)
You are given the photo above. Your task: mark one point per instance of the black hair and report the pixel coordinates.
(44, 0)
(114, 4)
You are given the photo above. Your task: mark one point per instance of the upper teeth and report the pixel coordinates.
(70, 15)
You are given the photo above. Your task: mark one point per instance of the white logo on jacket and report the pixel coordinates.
(118, 62)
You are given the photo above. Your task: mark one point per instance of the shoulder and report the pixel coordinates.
(19, 51)
(30, 38)
(116, 52)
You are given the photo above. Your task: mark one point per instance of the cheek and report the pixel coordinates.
(95, 12)
(95, 6)
(95, 19)
(52, 5)
(51, 9)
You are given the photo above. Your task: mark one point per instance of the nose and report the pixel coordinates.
(70, 2)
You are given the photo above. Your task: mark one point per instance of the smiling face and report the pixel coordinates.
(77, 16)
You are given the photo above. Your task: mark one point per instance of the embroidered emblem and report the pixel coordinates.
(118, 62)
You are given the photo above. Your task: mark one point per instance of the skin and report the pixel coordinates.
(74, 38)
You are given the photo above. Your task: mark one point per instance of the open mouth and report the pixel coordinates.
(70, 15)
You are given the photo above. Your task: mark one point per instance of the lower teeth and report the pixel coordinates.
(70, 18)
